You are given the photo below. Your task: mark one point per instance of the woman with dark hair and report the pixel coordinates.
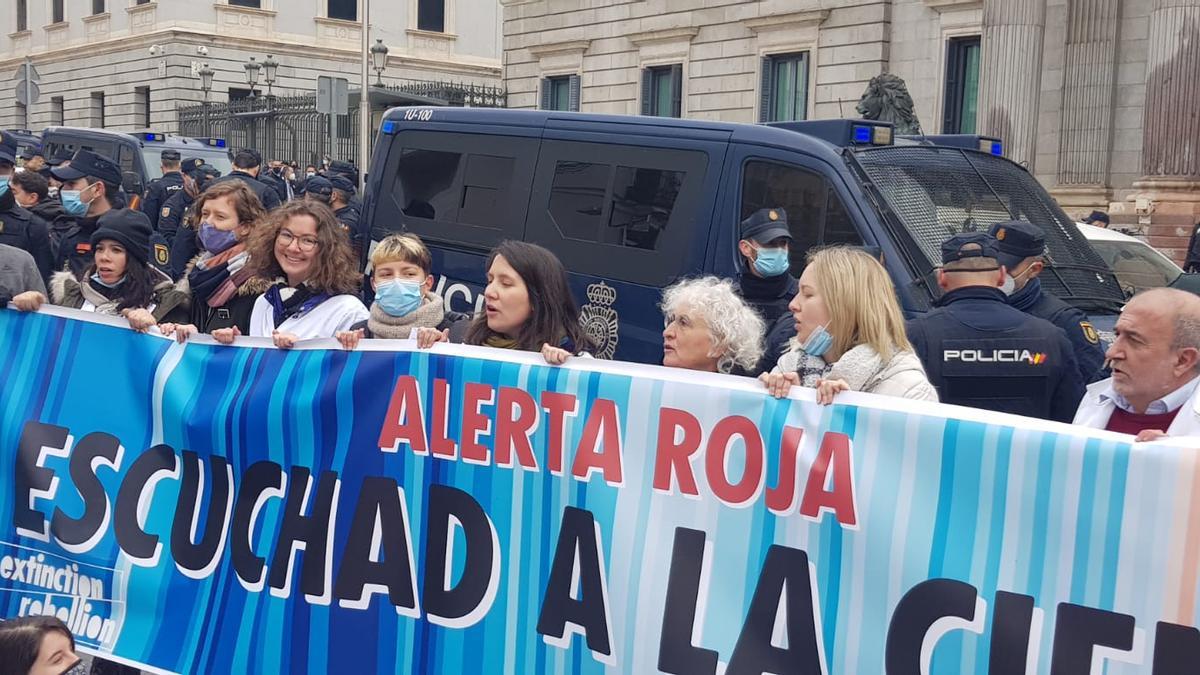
(38, 645)
(220, 281)
(315, 278)
(121, 281)
(527, 306)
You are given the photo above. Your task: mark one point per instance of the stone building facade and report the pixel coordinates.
(1098, 98)
(129, 64)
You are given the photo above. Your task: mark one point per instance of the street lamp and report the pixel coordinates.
(252, 70)
(206, 83)
(270, 69)
(379, 54)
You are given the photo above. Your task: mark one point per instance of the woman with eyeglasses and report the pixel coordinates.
(315, 278)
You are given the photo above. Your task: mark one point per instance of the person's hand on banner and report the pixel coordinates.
(827, 389)
(181, 331)
(29, 301)
(428, 337)
(140, 320)
(779, 384)
(284, 340)
(1147, 435)
(349, 338)
(226, 336)
(554, 355)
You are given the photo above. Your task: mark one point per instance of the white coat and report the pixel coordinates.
(323, 321)
(1094, 413)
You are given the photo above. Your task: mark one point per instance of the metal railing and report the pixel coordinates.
(290, 128)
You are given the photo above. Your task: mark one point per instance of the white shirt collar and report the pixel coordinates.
(1171, 402)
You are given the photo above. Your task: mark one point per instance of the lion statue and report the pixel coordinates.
(887, 100)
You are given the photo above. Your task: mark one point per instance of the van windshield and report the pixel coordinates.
(153, 159)
(931, 193)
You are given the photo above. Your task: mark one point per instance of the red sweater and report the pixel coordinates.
(1133, 423)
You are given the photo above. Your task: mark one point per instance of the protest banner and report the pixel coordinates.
(205, 509)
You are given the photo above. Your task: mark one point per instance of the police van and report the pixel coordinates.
(631, 204)
(139, 154)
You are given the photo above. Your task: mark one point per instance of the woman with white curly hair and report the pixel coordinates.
(709, 327)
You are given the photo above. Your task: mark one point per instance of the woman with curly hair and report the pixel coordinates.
(709, 327)
(849, 333)
(302, 249)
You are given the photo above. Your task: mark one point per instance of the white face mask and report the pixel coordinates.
(1009, 286)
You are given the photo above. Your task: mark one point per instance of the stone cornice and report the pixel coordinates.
(953, 5)
(650, 37)
(557, 48)
(790, 21)
(97, 18)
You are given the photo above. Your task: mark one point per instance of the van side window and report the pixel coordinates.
(816, 215)
(633, 212)
(462, 189)
(619, 212)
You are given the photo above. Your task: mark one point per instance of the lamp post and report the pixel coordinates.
(206, 83)
(364, 100)
(379, 55)
(270, 70)
(252, 70)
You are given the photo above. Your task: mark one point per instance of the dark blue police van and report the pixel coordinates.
(631, 204)
(26, 140)
(139, 154)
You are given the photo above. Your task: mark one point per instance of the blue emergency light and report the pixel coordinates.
(389, 127)
(217, 142)
(862, 133)
(154, 138)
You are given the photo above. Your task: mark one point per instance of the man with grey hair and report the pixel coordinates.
(1155, 361)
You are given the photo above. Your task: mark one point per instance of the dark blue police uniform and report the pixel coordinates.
(266, 194)
(767, 295)
(75, 248)
(981, 352)
(161, 189)
(348, 215)
(1019, 240)
(18, 227)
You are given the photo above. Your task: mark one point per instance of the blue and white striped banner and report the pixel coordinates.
(208, 509)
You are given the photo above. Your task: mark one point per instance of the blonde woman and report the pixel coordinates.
(849, 333)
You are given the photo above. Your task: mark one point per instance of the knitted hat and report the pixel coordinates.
(128, 228)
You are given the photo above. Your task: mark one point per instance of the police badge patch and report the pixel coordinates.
(165, 213)
(600, 321)
(1089, 332)
(162, 254)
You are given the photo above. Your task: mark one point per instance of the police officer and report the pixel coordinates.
(981, 352)
(763, 280)
(341, 203)
(18, 227)
(197, 176)
(91, 183)
(32, 158)
(350, 172)
(319, 189)
(161, 189)
(246, 165)
(1022, 248)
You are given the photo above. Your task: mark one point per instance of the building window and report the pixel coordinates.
(241, 94)
(561, 93)
(962, 86)
(257, 4)
(56, 111)
(56, 12)
(662, 91)
(141, 102)
(98, 109)
(784, 88)
(22, 15)
(346, 10)
(97, 7)
(616, 205)
(431, 15)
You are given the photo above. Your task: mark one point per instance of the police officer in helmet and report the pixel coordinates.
(764, 281)
(981, 352)
(1022, 248)
(18, 226)
(91, 184)
(161, 189)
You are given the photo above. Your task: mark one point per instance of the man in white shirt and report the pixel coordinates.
(1155, 361)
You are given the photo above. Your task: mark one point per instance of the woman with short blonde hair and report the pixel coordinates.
(849, 332)
(709, 327)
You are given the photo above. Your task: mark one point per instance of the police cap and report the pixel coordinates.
(31, 151)
(318, 185)
(170, 155)
(1097, 217)
(344, 168)
(766, 225)
(342, 183)
(191, 165)
(1016, 241)
(86, 163)
(969, 245)
(61, 155)
(8, 149)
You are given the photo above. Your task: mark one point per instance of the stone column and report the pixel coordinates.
(1011, 72)
(1089, 89)
(1167, 205)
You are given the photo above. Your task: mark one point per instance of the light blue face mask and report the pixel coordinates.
(3, 185)
(819, 341)
(398, 297)
(73, 203)
(96, 278)
(771, 262)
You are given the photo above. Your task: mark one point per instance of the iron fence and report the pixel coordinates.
(290, 128)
